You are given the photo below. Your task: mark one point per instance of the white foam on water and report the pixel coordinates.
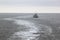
(30, 34)
(27, 24)
(25, 35)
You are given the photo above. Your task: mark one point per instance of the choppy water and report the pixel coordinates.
(32, 33)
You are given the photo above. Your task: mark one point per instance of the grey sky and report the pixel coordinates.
(31, 2)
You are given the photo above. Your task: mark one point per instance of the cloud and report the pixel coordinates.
(31, 2)
(29, 9)
(29, 6)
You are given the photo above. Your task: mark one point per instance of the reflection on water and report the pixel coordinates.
(33, 33)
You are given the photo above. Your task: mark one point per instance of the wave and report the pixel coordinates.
(32, 33)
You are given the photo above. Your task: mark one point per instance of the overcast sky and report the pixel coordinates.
(29, 6)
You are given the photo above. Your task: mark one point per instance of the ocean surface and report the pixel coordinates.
(25, 27)
(30, 31)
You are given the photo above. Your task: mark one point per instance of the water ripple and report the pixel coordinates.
(32, 33)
